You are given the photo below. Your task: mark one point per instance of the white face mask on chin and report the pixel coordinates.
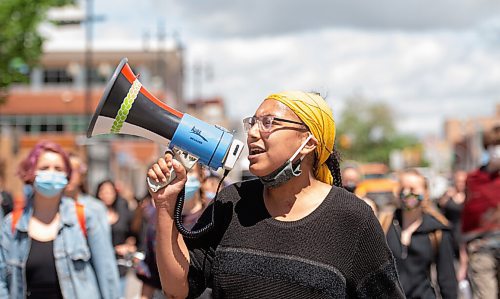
(494, 152)
(494, 157)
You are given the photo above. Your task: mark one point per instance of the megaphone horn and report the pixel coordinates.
(126, 107)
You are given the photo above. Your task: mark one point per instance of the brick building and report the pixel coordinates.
(465, 138)
(55, 104)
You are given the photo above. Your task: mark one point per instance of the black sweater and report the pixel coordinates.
(414, 263)
(337, 251)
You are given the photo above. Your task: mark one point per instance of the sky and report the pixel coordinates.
(429, 60)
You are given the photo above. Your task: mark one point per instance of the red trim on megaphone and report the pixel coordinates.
(127, 72)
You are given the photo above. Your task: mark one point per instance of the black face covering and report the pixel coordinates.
(286, 171)
(282, 175)
(350, 187)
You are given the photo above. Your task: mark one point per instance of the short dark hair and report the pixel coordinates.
(491, 136)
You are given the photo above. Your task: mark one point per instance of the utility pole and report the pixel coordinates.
(95, 164)
(201, 72)
(89, 37)
(160, 59)
(88, 59)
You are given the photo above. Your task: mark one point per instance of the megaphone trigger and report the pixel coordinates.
(185, 158)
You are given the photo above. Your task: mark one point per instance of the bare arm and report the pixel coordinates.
(172, 256)
(464, 259)
(147, 291)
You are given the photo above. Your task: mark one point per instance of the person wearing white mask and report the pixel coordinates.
(53, 248)
(481, 222)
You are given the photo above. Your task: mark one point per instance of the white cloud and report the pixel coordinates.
(428, 59)
(262, 17)
(424, 76)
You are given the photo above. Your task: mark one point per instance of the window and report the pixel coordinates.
(56, 76)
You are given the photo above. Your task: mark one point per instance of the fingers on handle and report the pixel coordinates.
(152, 174)
(164, 166)
(179, 169)
(159, 173)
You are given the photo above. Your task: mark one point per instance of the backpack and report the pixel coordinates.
(80, 214)
(385, 219)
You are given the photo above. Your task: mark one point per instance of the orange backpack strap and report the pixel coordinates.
(16, 215)
(385, 219)
(80, 214)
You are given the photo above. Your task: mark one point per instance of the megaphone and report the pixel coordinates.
(127, 107)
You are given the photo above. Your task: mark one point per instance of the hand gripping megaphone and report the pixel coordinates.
(126, 107)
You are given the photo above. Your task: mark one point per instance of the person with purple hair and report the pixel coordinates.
(54, 248)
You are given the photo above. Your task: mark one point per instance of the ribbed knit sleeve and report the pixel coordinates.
(373, 266)
(202, 249)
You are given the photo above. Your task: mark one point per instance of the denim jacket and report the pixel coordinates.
(86, 267)
(97, 207)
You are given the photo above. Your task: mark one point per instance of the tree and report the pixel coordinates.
(366, 131)
(20, 41)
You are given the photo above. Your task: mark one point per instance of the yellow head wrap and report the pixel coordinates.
(313, 110)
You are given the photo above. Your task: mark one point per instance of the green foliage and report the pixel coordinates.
(20, 41)
(367, 133)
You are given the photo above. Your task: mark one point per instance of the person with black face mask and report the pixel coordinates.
(350, 178)
(419, 236)
(293, 232)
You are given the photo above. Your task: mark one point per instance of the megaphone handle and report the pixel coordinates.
(154, 186)
(185, 158)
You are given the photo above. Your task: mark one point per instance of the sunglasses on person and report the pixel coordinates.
(266, 122)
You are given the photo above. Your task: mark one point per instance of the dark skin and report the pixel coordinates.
(301, 195)
(293, 200)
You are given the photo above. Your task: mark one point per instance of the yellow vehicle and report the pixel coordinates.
(377, 185)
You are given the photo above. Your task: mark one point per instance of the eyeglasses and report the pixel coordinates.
(265, 122)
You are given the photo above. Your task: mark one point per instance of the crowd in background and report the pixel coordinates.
(107, 234)
(449, 246)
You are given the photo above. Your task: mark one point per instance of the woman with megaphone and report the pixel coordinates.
(293, 232)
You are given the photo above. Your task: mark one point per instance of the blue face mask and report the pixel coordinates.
(192, 186)
(50, 183)
(210, 195)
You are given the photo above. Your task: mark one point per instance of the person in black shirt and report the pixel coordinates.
(452, 204)
(192, 210)
(287, 234)
(119, 218)
(419, 236)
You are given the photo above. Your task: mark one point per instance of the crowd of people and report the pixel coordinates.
(448, 247)
(67, 242)
(296, 230)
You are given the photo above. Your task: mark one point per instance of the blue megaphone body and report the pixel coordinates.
(126, 107)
